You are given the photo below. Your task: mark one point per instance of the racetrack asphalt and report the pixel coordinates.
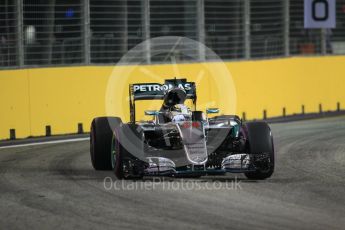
(54, 186)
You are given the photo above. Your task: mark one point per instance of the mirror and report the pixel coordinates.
(151, 112)
(212, 110)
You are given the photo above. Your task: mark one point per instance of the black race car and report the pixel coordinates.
(180, 141)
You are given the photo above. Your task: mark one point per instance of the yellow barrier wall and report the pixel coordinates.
(62, 97)
(14, 103)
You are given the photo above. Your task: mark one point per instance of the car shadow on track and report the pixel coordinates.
(99, 176)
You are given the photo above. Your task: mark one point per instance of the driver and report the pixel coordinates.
(180, 112)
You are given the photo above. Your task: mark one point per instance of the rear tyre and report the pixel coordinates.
(259, 143)
(100, 141)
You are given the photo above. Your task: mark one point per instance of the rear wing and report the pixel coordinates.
(156, 91)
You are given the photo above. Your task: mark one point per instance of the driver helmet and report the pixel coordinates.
(180, 112)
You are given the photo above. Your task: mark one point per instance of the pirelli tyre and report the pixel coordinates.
(101, 134)
(117, 154)
(260, 146)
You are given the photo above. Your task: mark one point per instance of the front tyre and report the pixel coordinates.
(117, 152)
(123, 163)
(260, 146)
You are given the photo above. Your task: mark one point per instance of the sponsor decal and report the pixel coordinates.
(151, 90)
(158, 88)
(186, 125)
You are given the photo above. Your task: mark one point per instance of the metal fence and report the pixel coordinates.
(225, 28)
(79, 32)
(8, 34)
(52, 32)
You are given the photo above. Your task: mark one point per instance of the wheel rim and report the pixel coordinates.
(268, 165)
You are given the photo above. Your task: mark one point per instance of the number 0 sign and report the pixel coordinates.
(319, 14)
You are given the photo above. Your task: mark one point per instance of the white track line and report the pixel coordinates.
(46, 143)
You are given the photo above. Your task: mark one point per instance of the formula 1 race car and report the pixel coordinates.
(179, 141)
